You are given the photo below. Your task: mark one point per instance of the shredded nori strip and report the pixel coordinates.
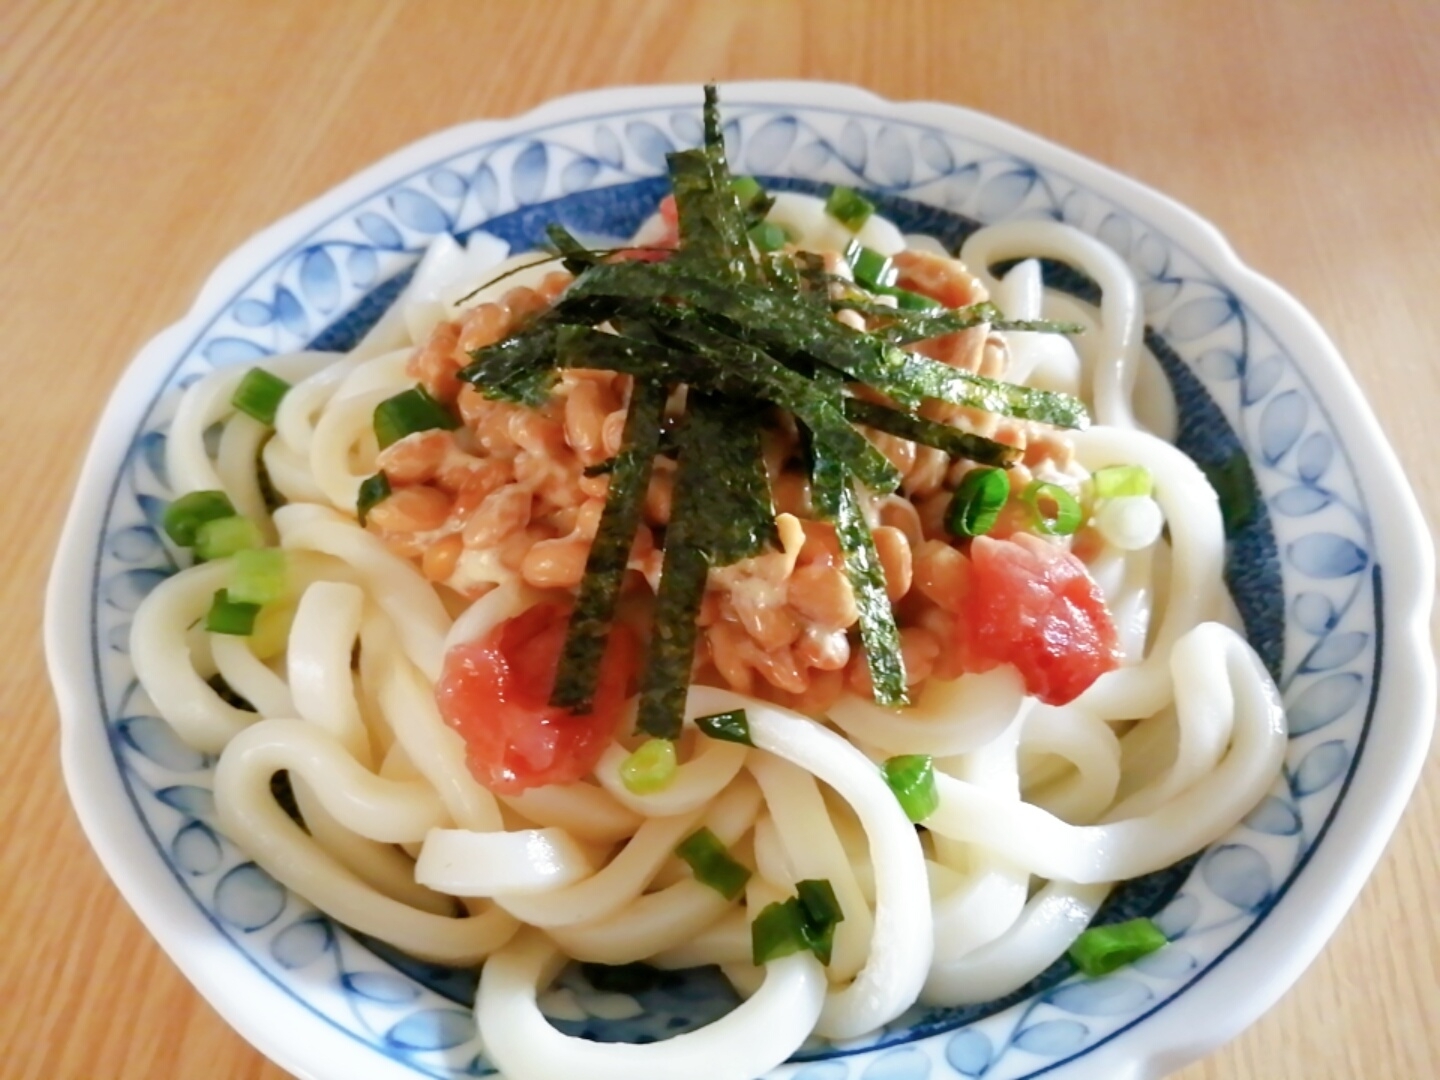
(917, 429)
(712, 225)
(709, 472)
(520, 369)
(590, 621)
(769, 319)
(577, 258)
(716, 364)
(834, 499)
(902, 326)
(741, 518)
(909, 326)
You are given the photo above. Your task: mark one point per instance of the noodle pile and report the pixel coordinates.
(1042, 808)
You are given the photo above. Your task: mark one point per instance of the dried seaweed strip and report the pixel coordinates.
(520, 369)
(906, 327)
(772, 321)
(675, 628)
(712, 225)
(772, 381)
(833, 497)
(577, 257)
(589, 630)
(917, 429)
(742, 516)
(903, 327)
(721, 365)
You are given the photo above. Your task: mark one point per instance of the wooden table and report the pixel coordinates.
(141, 140)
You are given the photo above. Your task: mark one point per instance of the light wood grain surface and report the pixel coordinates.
(140, 141)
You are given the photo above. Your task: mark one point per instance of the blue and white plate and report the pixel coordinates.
(1329, 560)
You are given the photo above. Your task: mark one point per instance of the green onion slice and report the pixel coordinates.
(755, 202)
(408, 412)
(225, 536)
(767, 236)
(373, 491)
(912, 778)
(258, 576)
(232, 617)
(747, 189)
(1103, 949)
(650, 768)
(1053, 510)
(712, 864)
(185, 515)
(732, 726)
(871, 269)
(822, 907)
(906, 300)
(977, 502)
(805, 921)
(259, 394)
(849, 207)
(1119, 481)
(779, 930)
(822, 913)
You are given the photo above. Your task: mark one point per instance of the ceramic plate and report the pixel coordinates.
(1328, 559)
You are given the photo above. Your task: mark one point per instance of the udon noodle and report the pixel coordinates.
(1042, 807)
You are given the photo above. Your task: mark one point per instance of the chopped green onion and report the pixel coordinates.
(747, 189)
(712, 864)
(1118, 481)
(408, 412)
(259, 394)
(258, 576)
(373, 491)
(871, 269)
(1103, 949)
(1065, 518)
(822, 913)
(650, 768)
(849, 207)
(778, 931)
(906, 300)
(912, 778)
(977, 502)
(767, 236)
(822, 907)
(225, 536)
(185, 515)
(805, 921)
(228, 616)
(732, 726)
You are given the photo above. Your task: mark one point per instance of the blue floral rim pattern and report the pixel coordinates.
(1301, 532)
